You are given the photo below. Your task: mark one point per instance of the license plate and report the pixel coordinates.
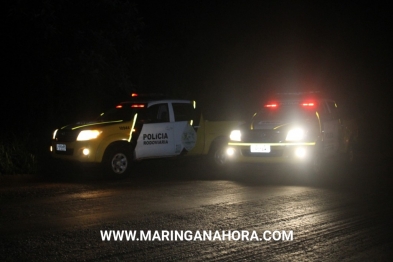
(260, 148)
(61, 147)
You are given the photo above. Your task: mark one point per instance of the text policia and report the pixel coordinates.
(160, 138)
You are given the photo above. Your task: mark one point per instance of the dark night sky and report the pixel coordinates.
(228, 54)
(238, 50)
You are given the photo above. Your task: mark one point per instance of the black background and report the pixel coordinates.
(69, 60)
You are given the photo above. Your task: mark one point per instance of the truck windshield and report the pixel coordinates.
(124, 113)
(285, 114)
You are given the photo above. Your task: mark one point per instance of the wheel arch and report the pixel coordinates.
(106, 142)
(115, 144)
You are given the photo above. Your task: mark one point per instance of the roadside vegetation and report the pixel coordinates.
(16, 156)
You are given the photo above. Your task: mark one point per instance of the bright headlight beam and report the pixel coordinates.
(85, 135)
(230, 151)
(86, 151)
(235, 135)
(295, 134)
(300, 152)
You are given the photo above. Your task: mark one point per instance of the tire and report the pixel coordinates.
(317, 163)
(216, 160)
(217, 155)
(348, 159)
(118, 161)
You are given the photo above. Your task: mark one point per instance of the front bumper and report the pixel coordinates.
(81, 151)
(290, 153)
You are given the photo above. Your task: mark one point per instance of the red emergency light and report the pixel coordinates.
(272, 105)
(137, 105)
(308, 104)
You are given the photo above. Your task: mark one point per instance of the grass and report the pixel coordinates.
(16, 156)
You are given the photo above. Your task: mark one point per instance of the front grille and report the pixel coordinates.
(66, 135)
(263, 136)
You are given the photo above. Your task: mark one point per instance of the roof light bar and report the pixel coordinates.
(137, 105)
(271, 105)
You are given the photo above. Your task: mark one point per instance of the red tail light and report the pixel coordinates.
(119, 106)
(134, 94)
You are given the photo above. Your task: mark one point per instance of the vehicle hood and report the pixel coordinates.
(277, 125)
(90, 125)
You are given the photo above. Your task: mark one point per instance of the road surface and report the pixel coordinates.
(342, 215)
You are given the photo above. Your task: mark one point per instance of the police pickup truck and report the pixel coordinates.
(142, 128)
(295, 128)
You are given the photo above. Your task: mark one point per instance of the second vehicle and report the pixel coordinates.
(294, 128)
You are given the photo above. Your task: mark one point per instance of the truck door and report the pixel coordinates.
(332, 125)
(157, 137)
(185, 135)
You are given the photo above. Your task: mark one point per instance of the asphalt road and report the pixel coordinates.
(343, 215)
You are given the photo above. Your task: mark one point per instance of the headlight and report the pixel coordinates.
(295, 134)
(54, 134)
(88, 135)
(235, 135)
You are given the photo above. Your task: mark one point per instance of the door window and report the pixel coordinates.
(157, 114)
(183, 111)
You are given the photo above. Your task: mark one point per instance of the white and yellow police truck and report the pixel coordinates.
(295, 128)
(142, 128)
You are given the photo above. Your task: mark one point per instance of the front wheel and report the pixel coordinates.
(317, 164)
(217, 155)
(117, 162)
(347, 159)
(217, 161)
